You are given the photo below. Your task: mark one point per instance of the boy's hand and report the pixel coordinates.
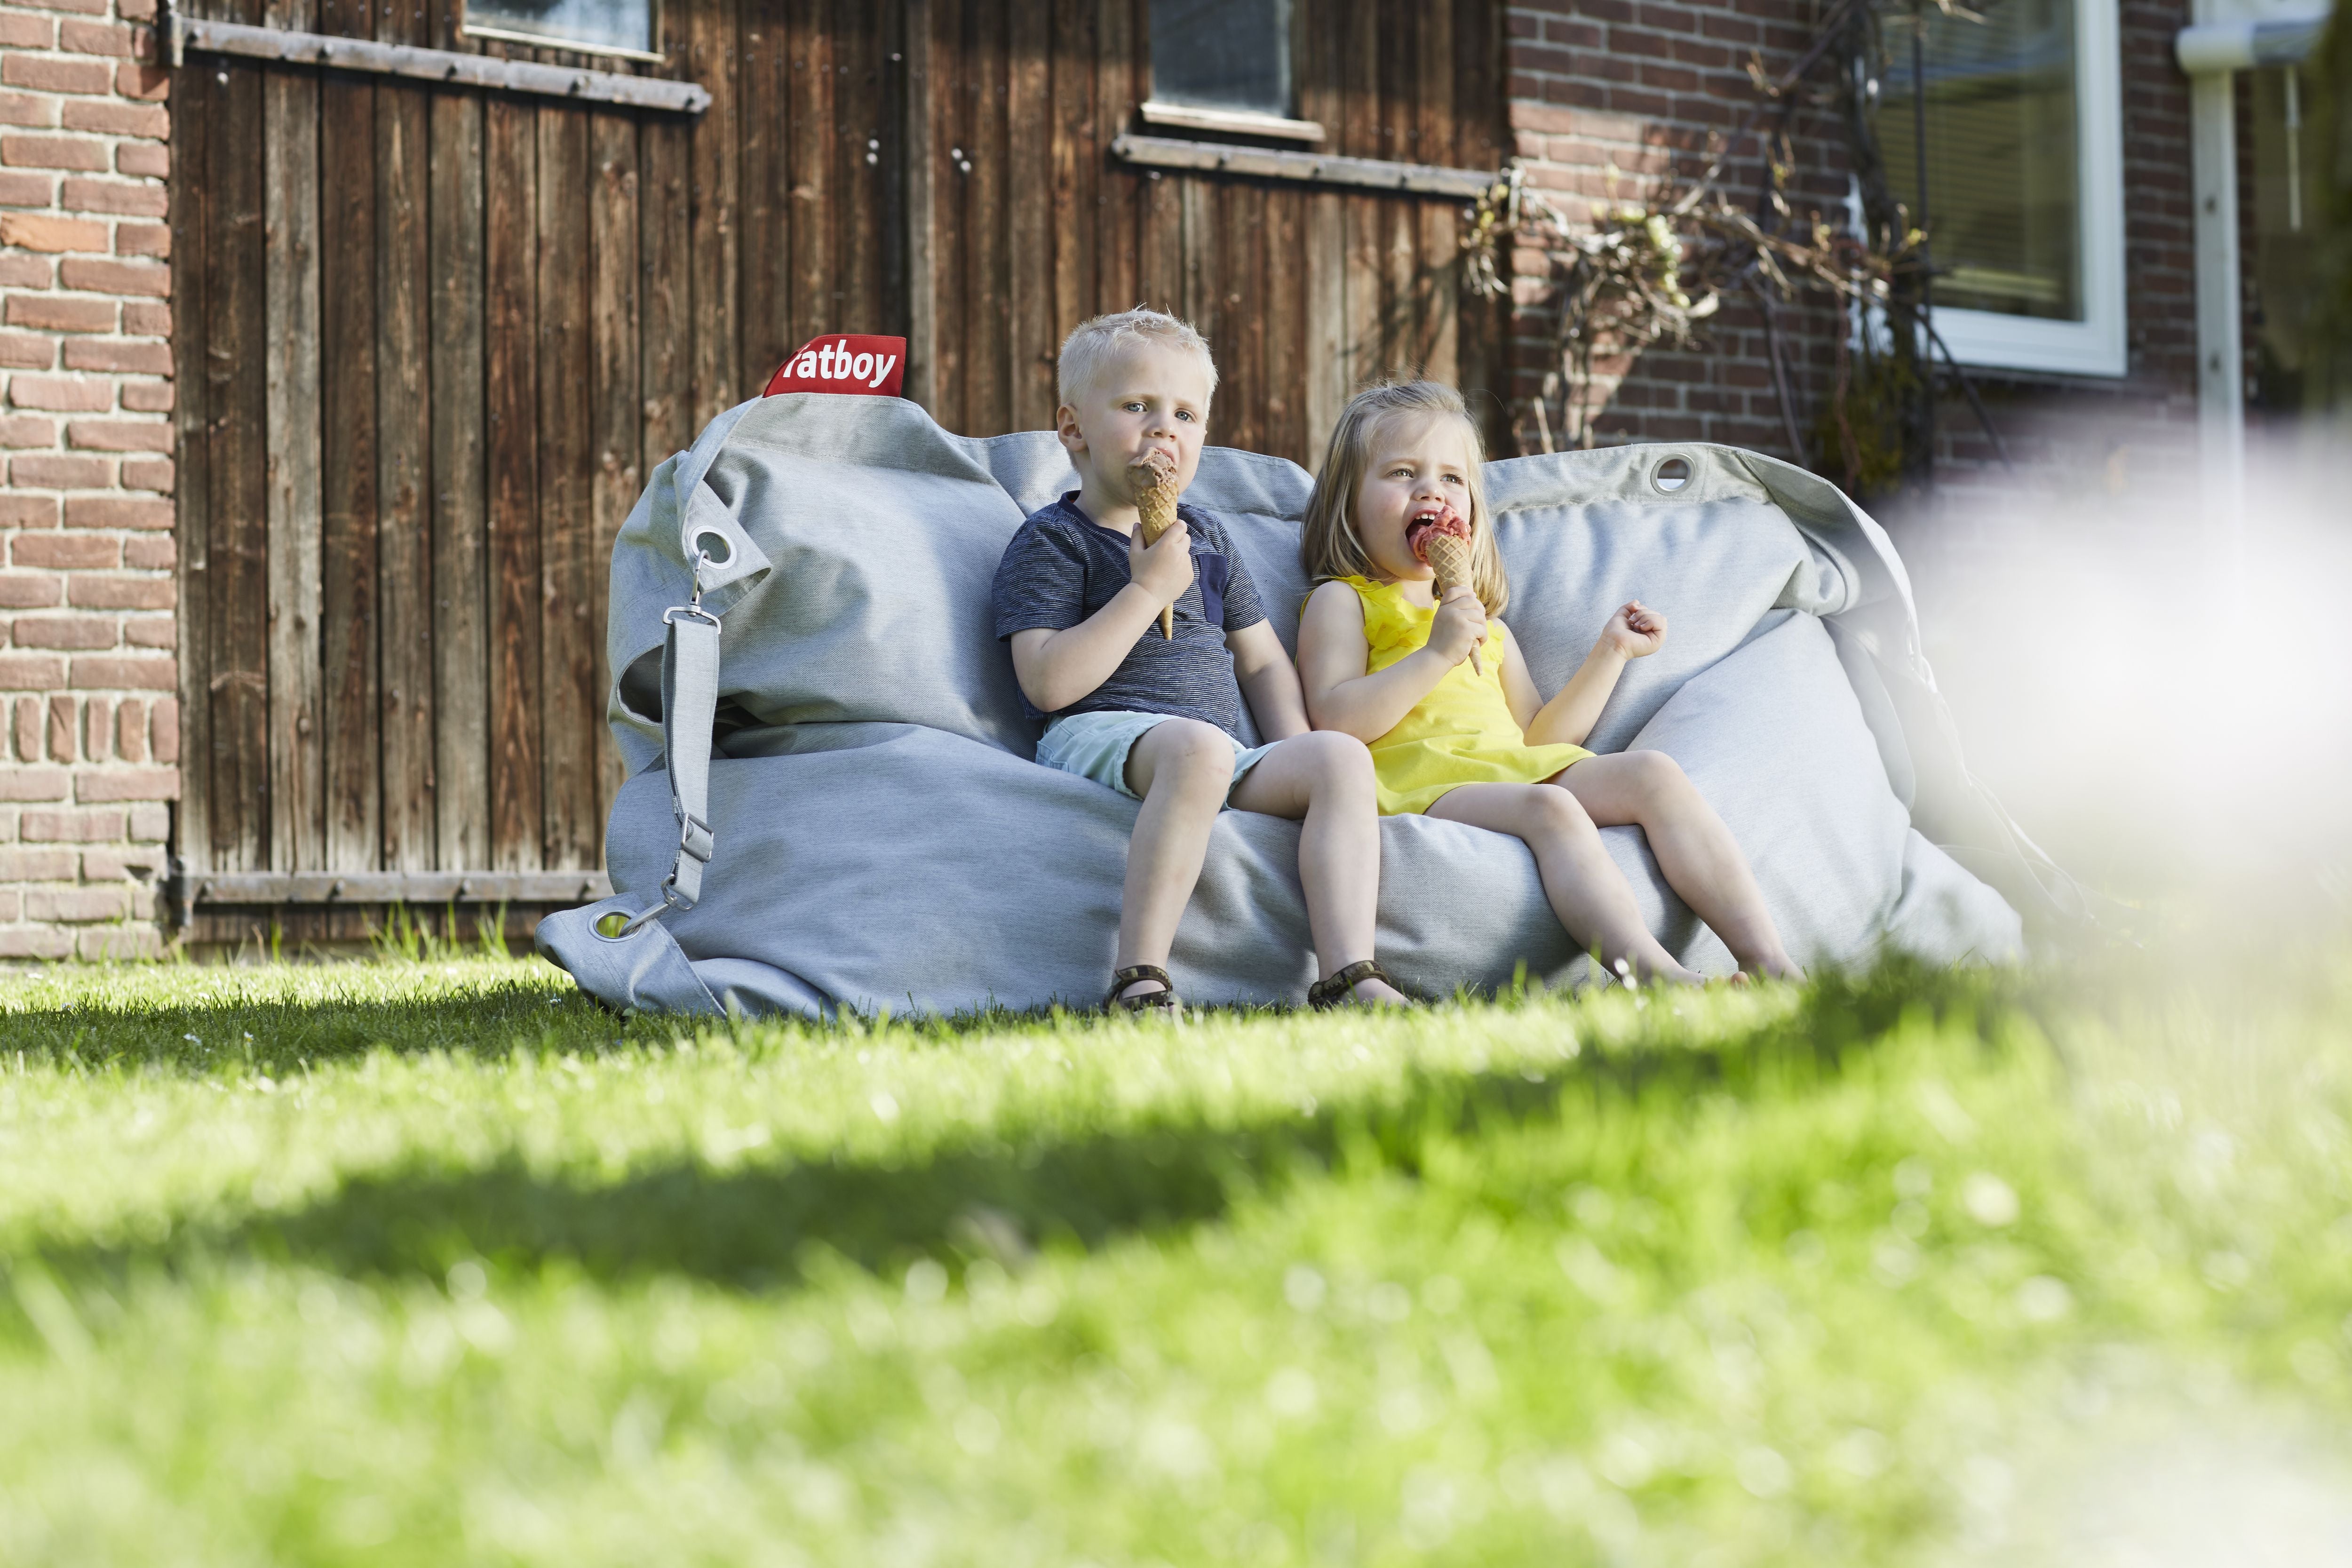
(1634, 630)
(1163, 570)
(1460, 626)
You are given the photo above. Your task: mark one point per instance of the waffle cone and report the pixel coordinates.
(1157, 507)
(1449, 560)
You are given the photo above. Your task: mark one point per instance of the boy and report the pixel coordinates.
(1079, 596)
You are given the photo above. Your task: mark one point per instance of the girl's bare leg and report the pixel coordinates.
(1701, 859)
(1183, 770)
(1323, 781)
(1587, 891)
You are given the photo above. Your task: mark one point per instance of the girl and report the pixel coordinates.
(1475, 742)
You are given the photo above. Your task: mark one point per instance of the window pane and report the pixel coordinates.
(2003, 201)
(598, 23)
(1222, 54)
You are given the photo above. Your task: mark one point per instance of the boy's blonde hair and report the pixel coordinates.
(1093, 344)
(1331, 548)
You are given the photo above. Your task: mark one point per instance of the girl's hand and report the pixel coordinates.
(1460, 626)
(1634, 630)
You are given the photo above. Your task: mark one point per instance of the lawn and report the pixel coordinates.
(435, 1263)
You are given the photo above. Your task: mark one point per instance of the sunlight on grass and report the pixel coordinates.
(443, 1264)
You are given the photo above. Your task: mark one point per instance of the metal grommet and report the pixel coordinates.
(1672, 474)
(611, 925)
(715, 546)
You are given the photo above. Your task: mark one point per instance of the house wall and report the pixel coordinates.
(87, 668)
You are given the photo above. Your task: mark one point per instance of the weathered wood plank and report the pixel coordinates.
(1116, 92)
(1074, 220)
(616, 419)
(857, 212)
(1359, 92)
(571, 827)
(1030, 214)
(290, 353)
(1159, 242)
(988, 297)
(1328, 386)
(349, 674)
(510, 185)
(949, 74)
(1240, 250)
(714, 254)
(771, 46)
(812, 306)
(1284, 264)
(921, 161)
(1196, 204)
(404, 608)
(196, 256)
(1438, 272)
(665, 323)
(458, 416)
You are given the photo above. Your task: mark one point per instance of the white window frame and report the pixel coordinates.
(466, 28)
(2096, 344)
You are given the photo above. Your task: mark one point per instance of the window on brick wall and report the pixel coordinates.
(629, 29)
(1224, 65)
(2025, 179)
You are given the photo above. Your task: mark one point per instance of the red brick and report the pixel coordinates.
(152, 631)
(56, 313)
(110, 591)
(20, 30)
(19, 190)
(20, 270)
(93, 787)
(114, 39)
(27, 430)
(70, 827)
(38, 865)
(165, 730)
(113, 196)
(76, 906)
(139, 357)
(61, 728)
(114, 865)
(150, 397)
(123, 672)
(50, 472)
(117, 511)
(35, 590)
(97, 728)
(23, 783)
(28, 350)
(150, 821)
(156, 474)
(135, 10)
(130, 730)
(101, 275)
(67, 393)
(28, 726)
(53, 151)
(45, 231)
(111, 118)
(147, 158)
(146, 319)
(65, 551)
(26, 108)
(154, 553)
(149, 84)
(22, 941)
(49, 74)
(123, 435)
(143, 239)
(67, 631)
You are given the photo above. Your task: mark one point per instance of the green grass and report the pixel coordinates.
(435, 1263)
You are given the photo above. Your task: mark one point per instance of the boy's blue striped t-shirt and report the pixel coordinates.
(1063, 566)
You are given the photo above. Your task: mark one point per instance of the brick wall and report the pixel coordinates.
(1638, 86)
(87, 670)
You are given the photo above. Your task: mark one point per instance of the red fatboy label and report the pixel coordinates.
(843, 362)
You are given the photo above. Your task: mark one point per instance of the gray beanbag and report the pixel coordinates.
(881, 836)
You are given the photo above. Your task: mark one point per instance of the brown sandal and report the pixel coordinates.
(1123, 978)
(1331, 993)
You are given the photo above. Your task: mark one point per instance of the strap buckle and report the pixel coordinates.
(692, 609)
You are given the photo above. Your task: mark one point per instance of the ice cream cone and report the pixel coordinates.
(1157, 507)
(1449, 557)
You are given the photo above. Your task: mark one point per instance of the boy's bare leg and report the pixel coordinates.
(1325, 780)
(1182, 769)
(1587, 891)
(1701, 859)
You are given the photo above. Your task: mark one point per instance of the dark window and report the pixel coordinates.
(597, 27)
(1232, 55)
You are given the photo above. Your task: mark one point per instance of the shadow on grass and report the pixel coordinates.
(752, 1227)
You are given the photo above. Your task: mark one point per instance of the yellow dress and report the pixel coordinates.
(1463, 732)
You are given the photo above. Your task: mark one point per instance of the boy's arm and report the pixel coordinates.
(1633, 631)
(1056, 668)
(1268, 681)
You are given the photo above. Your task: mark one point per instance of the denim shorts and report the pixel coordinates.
(1095, 746)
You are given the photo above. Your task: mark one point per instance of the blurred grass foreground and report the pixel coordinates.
(434, 1263)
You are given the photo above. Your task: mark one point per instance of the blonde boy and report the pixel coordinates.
(1078, 595)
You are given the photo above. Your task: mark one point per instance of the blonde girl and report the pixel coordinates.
(1380, 659)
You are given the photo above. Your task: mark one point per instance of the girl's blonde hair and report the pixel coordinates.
(1330, 547)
